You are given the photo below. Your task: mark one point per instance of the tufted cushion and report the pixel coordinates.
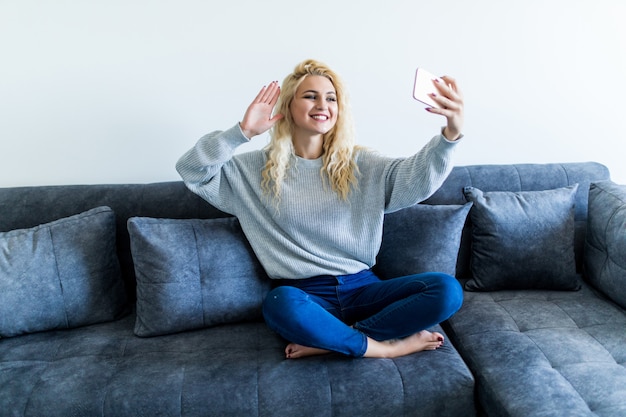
(522, 240)
(605, 242)
(422, 238)
(544, 353)
(193, 273)
(60, 275)
(232, 370)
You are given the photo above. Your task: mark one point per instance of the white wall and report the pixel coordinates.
(116, 90)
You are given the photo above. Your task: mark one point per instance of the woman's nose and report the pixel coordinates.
(320, 104)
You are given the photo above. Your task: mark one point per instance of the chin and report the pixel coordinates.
(326, 130)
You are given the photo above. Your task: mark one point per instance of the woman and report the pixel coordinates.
(312, 206)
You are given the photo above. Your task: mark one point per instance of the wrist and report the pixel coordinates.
(450, 134)
(246, 132)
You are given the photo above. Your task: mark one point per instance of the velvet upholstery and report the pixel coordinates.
(605, 243)
(25, 207)
(544, 353)
(422, 238)
(194, 273)
(522, 240)
(233, 370)
(238, 369)
(60, 275)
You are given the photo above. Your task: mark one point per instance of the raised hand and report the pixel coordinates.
(258, 118)
(451, 99)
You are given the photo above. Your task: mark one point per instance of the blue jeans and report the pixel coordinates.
(339, 313)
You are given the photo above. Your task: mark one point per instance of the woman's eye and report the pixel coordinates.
(333, 99)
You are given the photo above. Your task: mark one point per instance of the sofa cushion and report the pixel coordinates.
(60, 275)
(522, 240)
(605, 241)
(193, 273)
(544, 353)
(422, 238)
(239, 369)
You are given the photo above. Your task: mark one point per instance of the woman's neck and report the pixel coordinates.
(308, 148)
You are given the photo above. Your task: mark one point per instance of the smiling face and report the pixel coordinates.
(314, 107)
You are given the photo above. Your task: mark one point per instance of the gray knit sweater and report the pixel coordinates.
(312, 231)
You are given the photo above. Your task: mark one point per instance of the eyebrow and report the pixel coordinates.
(317, 92)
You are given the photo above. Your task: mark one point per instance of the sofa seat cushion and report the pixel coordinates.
(229, 370)
(544, 353)
(61, 274)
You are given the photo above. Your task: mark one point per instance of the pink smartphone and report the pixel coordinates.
(424, 87)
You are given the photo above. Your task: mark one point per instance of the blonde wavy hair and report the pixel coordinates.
(338, 166)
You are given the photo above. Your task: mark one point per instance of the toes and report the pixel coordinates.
(289, 350)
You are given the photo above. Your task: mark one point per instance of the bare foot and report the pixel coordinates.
(295, 351)
(418, 342)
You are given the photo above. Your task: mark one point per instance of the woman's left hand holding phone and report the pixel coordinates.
(450, 99)
(258, 117)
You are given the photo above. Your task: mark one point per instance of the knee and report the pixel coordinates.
(279, 302)
(285, 312)
(273, 300)
(451, 294)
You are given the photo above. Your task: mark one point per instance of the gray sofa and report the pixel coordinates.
(159, 315)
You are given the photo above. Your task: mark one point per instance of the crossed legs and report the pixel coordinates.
(378, 319)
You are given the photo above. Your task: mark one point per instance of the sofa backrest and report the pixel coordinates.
(25, 207)
(520, 177)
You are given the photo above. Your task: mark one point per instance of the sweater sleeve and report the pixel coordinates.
(205, 167)
(411, 180)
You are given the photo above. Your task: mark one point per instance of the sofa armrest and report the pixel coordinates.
(605, 241)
